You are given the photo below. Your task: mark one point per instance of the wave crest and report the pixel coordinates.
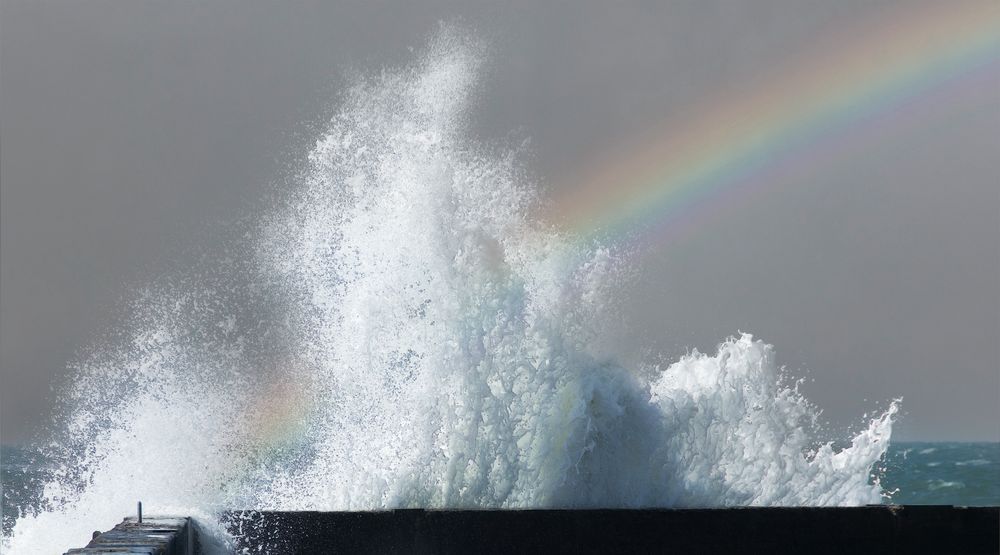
(400, 334)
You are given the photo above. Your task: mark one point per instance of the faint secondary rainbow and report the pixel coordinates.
(732, 142)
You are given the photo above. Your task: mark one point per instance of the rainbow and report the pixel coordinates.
(734, 143)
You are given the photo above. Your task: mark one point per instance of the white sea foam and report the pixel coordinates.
(408, 337)
(973, 462)
(933, 485)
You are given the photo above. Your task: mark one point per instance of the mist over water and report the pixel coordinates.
(397, 332)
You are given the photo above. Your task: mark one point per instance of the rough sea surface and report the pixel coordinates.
(943, 473)
(916, 473)
(395, 330)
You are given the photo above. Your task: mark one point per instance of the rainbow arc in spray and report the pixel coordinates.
(733, 141)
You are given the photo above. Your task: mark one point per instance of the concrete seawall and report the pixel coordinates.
(873, 529)
(152, 536)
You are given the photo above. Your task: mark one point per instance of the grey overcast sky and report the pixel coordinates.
(127, 127)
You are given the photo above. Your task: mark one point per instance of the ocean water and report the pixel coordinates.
(912, 473)
(395, 330)
(943, 473)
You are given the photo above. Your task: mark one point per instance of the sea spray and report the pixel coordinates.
(396, 332)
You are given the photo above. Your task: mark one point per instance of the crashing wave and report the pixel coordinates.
(402, 334)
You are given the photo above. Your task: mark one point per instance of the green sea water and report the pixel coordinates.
(942, 473)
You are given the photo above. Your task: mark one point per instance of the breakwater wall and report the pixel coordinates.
(152, 536)
(872, 529)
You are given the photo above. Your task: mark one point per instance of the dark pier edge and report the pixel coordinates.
(154, 535)
(872, 529)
